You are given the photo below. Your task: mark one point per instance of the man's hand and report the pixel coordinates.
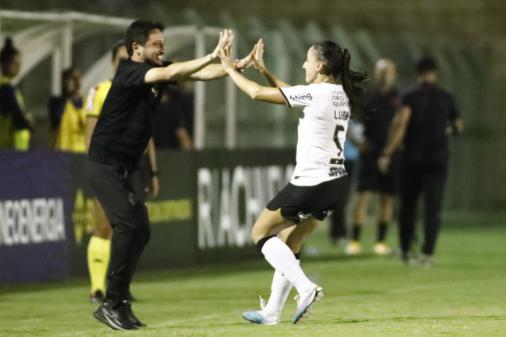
(224, 53)
(155, 187)
(246, 61)
(226, 38)
(384, 163)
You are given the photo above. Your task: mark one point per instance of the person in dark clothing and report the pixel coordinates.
(118, 142)
(379, 109)
(16, 124)
(427, 116)
(354, 139)
(171, 120)
(66, 114)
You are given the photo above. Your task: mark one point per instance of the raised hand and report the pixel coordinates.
(226, 39)
(224, 52)
(246, 61)
(258, 55)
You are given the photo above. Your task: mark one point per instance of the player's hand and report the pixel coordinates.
(384, 163)
(246, 61)
(258, 55)
(224, 54)
(155, 187)
(226, 39)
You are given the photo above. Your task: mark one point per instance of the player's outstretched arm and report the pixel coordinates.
(214, 71)
(253, 89)
(259, 64)
(181, 70)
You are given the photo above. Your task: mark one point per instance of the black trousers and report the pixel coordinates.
(338, 217)
(130, 225)
(417, 180)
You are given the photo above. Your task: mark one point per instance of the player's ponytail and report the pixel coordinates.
(337, 63)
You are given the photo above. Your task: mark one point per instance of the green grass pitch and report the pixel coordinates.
(464, 294)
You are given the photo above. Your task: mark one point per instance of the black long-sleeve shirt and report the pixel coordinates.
(432, 111)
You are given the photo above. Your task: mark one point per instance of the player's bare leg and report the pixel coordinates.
(359, 215)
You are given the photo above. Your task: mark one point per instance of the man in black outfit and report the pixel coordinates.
(427, 116)
(118, 142)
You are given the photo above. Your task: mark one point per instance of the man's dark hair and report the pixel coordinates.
(138, 31)
(426, 64)
(115, 49)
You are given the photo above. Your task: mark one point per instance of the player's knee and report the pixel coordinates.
(293, 244)
(260, 243)
(256, 236)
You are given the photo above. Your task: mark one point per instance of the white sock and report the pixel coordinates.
(279, 255)
(280, 289)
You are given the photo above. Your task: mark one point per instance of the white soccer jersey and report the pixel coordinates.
(321, 131)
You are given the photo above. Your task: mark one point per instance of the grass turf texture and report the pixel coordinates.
(464, 294)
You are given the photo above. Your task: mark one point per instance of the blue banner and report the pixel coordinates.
(36, 236)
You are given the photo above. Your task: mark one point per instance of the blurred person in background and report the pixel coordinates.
(380, 106)
(171, 121)
(427, 116)
(332, 91)
(16, 124)
(354, 139)
(67, 115)
(144, 180)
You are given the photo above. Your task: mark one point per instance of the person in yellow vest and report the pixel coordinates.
(145, 183)
(67, 116)
(16, 124)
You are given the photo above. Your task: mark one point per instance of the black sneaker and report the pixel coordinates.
(131, 316)
(115, 316)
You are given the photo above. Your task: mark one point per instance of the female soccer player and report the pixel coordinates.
(319, 175)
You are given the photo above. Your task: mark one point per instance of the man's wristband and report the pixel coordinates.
(153, 174)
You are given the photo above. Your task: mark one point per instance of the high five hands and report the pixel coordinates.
(254, 58)
(226, 39)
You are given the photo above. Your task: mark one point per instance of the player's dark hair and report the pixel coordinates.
(426, 64)
(67, 74)
(7, 53)
(337, 63)
(138, 32)
(116, 48)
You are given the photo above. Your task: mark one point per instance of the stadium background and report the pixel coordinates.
(467, 37)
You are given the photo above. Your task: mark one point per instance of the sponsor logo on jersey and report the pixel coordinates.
(301, 97)
(132, 198)
(303, 216)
